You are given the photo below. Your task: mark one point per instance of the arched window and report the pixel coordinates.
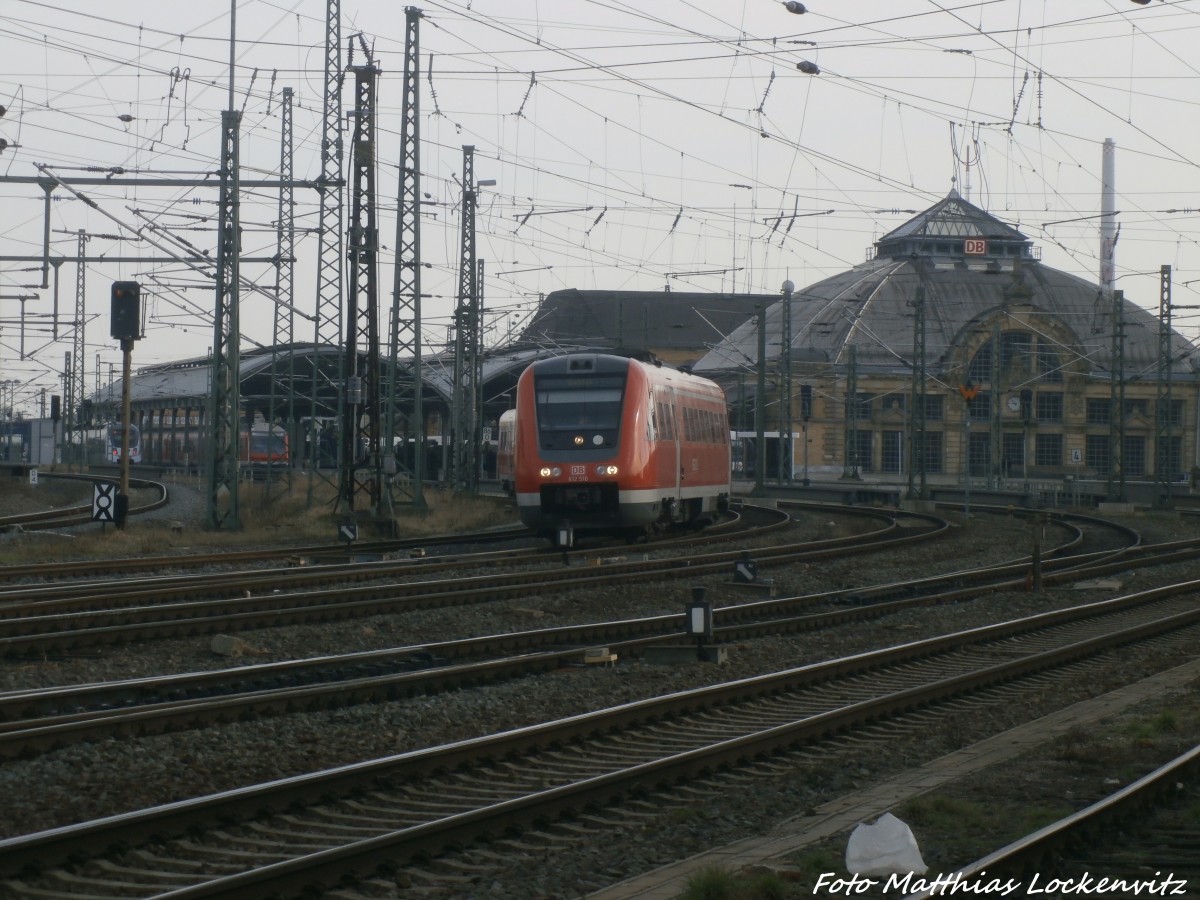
(1023, 356)
(1049, 364)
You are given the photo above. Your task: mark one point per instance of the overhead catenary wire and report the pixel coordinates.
(636, 202)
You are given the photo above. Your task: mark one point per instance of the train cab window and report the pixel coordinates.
(570, 407)
(263, 443)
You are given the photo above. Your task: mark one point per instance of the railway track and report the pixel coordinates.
(1141, 840)
(53, 618)
(40, 720)
(289, 835)
(82, 515)
(432, 546)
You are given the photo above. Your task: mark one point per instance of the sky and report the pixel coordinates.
(633, 146)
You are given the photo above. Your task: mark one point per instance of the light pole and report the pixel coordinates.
(967, 469)
(760, 411)
(968, 392)
(785, 444)
(806, 402)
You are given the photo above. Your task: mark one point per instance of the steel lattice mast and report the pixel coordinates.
(1164, 458)
(285, 265)
(917, 440)
(224, 410)
(76, 377)
(328, 332)
(1116, 402)
(225, 400)
(466, 338)
(405, 336)
(361, 470)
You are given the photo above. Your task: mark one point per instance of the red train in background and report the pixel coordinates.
(506, 451)
(259, 445)
(611, 443)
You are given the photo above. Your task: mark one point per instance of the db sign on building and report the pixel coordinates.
(975, 247)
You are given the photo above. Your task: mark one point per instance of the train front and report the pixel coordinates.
(578, 424)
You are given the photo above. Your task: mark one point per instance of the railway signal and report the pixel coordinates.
(125, 326)
(125, 318)
(104, 507)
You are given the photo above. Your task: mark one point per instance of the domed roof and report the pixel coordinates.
(973, 269)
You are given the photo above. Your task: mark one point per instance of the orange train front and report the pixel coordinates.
(609, 443)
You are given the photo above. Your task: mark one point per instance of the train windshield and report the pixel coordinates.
(267, 443)
(571, 403)
(117, 431)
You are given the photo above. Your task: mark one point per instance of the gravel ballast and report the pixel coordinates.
(94, 780)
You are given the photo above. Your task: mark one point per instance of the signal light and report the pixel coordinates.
(125, 318)
(806, 402)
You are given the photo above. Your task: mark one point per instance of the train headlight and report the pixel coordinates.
(606, 470)
(579, 440)
(545, 473)
(550, 471)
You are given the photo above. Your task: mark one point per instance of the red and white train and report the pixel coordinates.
(609, 443)
(259, 445)
(506, 447)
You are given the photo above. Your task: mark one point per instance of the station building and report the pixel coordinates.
(955, 354)
(952, 357)
(291, 385)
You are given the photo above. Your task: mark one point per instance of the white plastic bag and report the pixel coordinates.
(885, 848)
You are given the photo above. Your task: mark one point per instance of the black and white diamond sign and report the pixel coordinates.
(104, 502)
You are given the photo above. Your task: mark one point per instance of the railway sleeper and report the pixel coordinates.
(165, 863)
(110, 888)
(440, 879)
(204, 850)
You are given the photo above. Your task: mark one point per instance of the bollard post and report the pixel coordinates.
(699, 620)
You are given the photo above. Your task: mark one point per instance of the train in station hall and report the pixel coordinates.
(114, 435)
(260, 444)
(606, 443)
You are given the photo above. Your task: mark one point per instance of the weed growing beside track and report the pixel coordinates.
(270, 517)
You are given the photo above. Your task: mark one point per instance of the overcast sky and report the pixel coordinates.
(631, 149)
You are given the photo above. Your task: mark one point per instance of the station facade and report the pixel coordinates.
(952, 356)
(955, 354)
